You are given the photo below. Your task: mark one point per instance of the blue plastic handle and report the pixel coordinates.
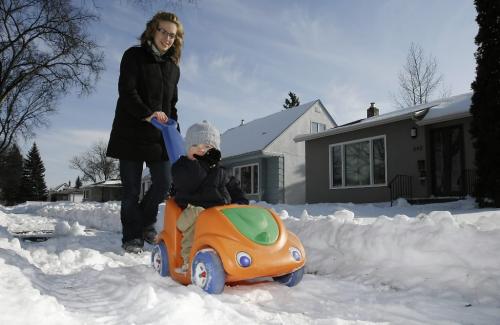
(172, 138)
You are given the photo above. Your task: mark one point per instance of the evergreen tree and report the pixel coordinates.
(33, 186)
(78, 182)
(292, 102)
(485, 108)
(12, 171)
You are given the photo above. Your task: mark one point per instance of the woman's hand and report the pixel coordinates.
(160, 116)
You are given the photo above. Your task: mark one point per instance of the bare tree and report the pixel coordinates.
(44, 52)
(173, 4)
(419, 78)
(94, 164)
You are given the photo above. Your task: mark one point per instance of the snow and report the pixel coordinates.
(367, 264)
(437, 111)
(262, 131)
(447, 109)
(107, 182)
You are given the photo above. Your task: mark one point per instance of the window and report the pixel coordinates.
(378, 147)
(249, 178)
(336, 159)
(317, 127)
(358, 163)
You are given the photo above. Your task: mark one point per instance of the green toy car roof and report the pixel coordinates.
(257, 224)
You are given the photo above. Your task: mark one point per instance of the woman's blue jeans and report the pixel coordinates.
(136, 216)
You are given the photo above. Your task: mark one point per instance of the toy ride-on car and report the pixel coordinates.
(232, 243)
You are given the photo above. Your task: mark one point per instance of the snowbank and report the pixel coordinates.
(445, 251)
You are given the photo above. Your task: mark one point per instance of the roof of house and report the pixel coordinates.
(433, 112)
(107, 183)
(66, 191)
(256, 135)
(448, 109)
(60, 187)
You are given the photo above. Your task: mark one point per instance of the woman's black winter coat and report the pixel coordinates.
(197, 184)
(147, 83)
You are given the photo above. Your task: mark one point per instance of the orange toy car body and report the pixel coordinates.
(250, 241)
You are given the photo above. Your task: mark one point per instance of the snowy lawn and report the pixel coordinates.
(367, 264)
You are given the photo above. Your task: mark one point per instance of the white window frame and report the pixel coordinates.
(342, 153)
(314, 127)
(251, 176)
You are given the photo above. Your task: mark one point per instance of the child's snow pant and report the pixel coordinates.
(185, 224)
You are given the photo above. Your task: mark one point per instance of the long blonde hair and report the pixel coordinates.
(152, 26)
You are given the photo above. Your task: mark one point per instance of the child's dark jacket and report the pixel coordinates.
(197, 184)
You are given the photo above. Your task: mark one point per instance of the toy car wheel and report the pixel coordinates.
(159, 259)
(207, 271)
(291, 279)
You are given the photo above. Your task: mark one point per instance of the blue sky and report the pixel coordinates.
(241, 58)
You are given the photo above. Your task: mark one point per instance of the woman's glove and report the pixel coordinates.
(211, 157)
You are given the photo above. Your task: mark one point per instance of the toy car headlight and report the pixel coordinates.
(295, 253)
(243, 259)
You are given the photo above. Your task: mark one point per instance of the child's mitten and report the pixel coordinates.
(211, 157)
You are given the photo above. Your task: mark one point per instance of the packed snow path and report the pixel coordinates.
(419, 265)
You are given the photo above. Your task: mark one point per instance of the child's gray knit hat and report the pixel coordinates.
(202, 133)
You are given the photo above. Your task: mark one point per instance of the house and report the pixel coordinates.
(145, 182)
(420, 152)
(264, 157)
(109, 190)
(64, 192)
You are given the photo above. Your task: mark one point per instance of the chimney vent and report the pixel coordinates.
(372, 111)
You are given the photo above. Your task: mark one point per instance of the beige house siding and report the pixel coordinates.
(294, 152)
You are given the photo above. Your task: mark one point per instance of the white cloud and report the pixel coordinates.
(344, 101)
(307, 31)
(196, 107)
(222, 75)
(233, 72)
(190, 68)
(225, 67)
(226, 112)
(73, 139)
(347, 101)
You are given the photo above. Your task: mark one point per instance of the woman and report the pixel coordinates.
(147, 88)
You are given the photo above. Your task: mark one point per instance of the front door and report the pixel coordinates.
(447, 161)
